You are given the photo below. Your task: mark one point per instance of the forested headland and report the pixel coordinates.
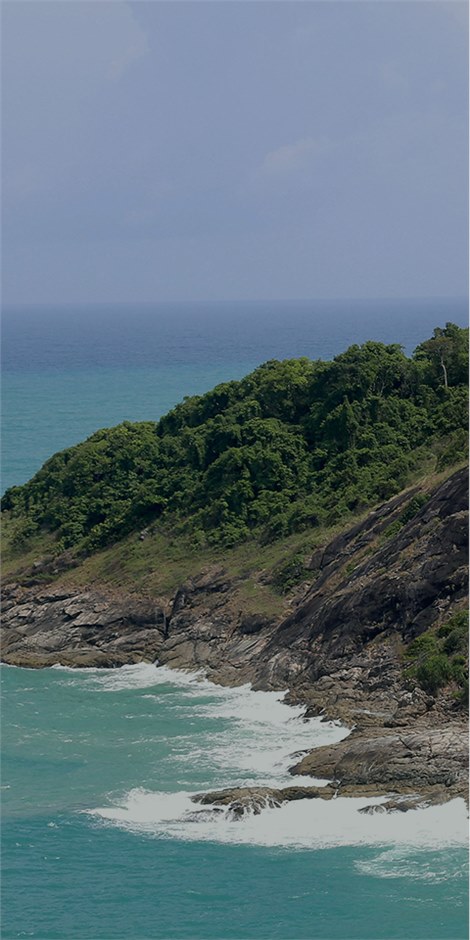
(258, 474)
(295, 444)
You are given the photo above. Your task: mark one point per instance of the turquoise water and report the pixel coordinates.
(100, 838)
(50, 410)
(69, 371)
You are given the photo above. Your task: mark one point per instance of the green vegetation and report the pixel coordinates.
(289, 573)
(410, 512)
(440, 657)
(295, 444)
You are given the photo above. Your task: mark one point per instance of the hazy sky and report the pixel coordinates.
(225, 150)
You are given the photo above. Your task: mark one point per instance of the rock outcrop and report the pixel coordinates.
(341, 647)
(240, 801)
(338, 649)
(419, 758)
(80, 629)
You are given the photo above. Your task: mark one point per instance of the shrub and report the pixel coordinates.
(440, 657)
(433, 673)
(241, 459)
(290, 573)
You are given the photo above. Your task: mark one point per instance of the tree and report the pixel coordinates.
(447, 354)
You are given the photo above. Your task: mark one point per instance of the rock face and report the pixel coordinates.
(341, 645)
(338, 650)
(82, 629)
(418, 759)
(241, 800)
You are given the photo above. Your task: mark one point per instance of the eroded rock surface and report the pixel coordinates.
(422, 759)
(80, 629)
(338, 650)
(242, 800)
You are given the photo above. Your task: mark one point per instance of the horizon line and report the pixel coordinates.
(240, 300)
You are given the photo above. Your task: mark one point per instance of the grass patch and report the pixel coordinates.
(18, 555)
(439, 657)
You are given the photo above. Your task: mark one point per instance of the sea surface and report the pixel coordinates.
(68, 371)
(100, 838)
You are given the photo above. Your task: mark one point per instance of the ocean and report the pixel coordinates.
(68, 371)
(100, 838)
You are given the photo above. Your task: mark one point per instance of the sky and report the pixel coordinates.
(166, 151)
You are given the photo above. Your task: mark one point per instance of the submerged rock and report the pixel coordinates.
(241, 801)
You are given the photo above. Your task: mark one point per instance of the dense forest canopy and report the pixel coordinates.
(293, 444)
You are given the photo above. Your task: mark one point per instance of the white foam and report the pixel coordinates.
(138, 676)
(415, 863)
(243, 736)
(303, 824)
(261, 739)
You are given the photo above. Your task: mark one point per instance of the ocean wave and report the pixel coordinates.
(134, 676)
(242, 734)
(303, 824)
(417, 863)
(241, 737)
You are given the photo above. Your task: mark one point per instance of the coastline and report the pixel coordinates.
(338, 650)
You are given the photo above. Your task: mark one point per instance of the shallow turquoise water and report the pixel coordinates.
(100, 838)
(46, 411)
(68, 371)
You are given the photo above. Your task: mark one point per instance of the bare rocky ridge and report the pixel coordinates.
(338, 650)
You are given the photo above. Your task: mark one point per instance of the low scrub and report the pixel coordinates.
(439, 658)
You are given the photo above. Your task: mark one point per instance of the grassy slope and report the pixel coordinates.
(161, 562)
(264, 579)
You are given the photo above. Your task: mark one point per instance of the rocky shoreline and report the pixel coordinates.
(338, 649)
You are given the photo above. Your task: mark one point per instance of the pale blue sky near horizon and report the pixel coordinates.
(158, 151)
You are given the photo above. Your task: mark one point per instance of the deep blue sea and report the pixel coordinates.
(100, 839)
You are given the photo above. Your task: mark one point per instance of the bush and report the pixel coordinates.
(335, 436)
(290, 573)
(440, 657)
(434, 673)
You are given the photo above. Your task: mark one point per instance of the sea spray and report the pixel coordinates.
(100, 766)
(250, 737)
(303, 824)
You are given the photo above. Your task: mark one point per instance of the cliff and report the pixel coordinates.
(339, 645)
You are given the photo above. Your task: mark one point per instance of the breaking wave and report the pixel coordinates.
(238, 736)
(303, 824)
(241, 737)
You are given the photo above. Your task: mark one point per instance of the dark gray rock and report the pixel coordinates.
(339, 650)
(420, 759)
